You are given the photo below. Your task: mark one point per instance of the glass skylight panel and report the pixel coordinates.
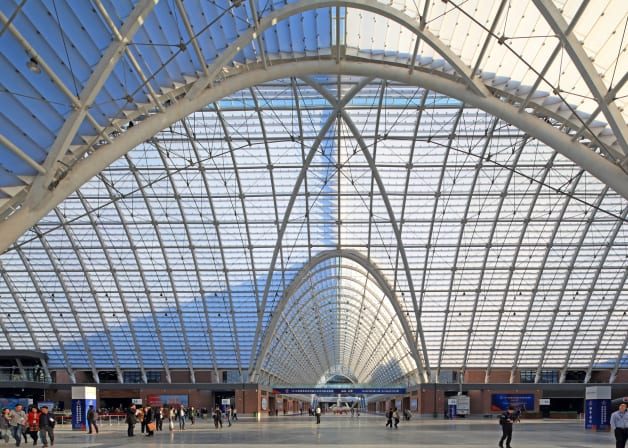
(458, 173)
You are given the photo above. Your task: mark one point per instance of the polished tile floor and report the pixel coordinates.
(344, 431)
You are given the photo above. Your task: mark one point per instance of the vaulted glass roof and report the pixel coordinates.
(296, 190)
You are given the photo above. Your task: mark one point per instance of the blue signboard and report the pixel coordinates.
(12, 402)
(79, 412)
(597, 414)
(501, 402)
(343, 390)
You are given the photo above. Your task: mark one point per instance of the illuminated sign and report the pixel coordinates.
(339, 390)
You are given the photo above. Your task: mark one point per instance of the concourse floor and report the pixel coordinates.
(342, 431)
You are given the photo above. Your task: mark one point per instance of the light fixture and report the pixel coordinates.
(33, 66)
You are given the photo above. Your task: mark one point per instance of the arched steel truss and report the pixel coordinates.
(600, 148)
(386, 344)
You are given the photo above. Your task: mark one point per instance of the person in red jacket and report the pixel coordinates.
(32, 423)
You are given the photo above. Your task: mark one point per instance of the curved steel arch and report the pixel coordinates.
(359, 69)
(362, 292)
(587, 71)
(371, 345)
(83, 101)
(503, 95)
(368, 5)
(605, 170)
(419, 356)
(422, 360)
(303, 276)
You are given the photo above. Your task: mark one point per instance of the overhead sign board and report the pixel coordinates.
(339, 390)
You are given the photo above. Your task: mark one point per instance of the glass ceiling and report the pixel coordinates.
(379, 190)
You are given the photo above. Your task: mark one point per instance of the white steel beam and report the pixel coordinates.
(605, 170)
(590, 76)
(38, 193)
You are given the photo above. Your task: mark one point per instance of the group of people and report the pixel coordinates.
(392, 418)
(36, 423)
(151, 420)
(39, 424)
(229, 414)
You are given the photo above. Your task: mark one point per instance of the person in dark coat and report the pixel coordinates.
(217, 417)
(91, 420)
(159, 419)
(149, 420)
(131, 420)
(46, 427)
(506, 420)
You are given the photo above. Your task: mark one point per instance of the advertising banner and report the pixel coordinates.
(82, 398)
(12, 402)
(501, 402)
(170, 401)
(79, 412)
(343, 390)
(597, 408)
(597, 414)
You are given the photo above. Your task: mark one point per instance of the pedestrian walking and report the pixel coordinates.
(389, 417)
(228, 415)
(5, 427)
(217, 415)
(91, 420)
(149, 420)
(181, 412)
(619, 426)
(159, 419)
(32, 424)
(171, 418)
(506, 420)
(17, 420)
(46, 427)
(395, 416)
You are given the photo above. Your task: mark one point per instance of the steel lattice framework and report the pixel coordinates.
(292, 190)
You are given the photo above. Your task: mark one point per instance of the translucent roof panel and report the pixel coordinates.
(408, 186)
